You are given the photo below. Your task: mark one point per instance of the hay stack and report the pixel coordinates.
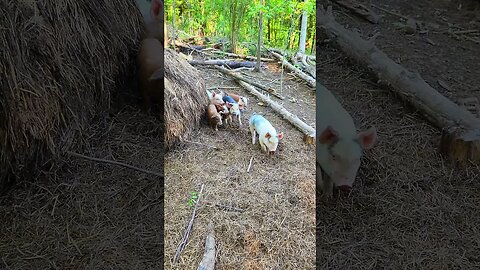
(185, 98)
(59, 63)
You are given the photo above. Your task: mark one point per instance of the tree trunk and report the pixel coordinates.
(303, 32)
(260, 31)
(268, 30)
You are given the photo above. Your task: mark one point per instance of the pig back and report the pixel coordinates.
(211, 111)
(329, 112)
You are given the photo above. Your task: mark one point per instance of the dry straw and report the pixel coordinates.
(185, 98)
(59, 64)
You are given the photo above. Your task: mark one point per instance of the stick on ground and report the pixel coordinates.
(250, 164)
(208, 261)
(186, 234)
(115, 163)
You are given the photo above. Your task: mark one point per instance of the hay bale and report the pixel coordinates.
(59, 62)
(185, 98)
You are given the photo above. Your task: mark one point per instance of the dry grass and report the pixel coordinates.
(60, 60)
(61, 71)
(409, 209)
(91, 215)
(185, 98)
(276, 231)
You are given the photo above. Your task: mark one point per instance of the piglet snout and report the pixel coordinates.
(272, 153)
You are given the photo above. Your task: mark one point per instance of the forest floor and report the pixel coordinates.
(89, 214)
(410, 209)
(276, 229)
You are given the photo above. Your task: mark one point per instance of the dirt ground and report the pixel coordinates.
(410, 208)
(92, 215)
(276, 229)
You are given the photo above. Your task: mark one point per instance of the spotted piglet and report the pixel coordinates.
(233, 107)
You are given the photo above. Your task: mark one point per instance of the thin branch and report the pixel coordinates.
(115, 163)
(250, 164)
(182, 244)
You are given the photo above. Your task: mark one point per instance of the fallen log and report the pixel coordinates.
(241, 78)
(309, 69)
(208, 261)
(461, 130)
(220, 62)
(360, 9)
(310, 81)
(241, 56)
(308, 131)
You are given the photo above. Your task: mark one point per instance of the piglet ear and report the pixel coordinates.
(268, 135)
(213, 93)
(280, 135)
(328, 136)
(367, 138)
(155, 8)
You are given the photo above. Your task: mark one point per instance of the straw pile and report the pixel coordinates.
(59, 63)
(185, 98)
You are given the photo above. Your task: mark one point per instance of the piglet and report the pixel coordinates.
(155, 23)
(241, 100)
(267, 135)
(214, 118)
(233, 107)
(150, 61)
(215, 97)
(151, 72)
(339, 147)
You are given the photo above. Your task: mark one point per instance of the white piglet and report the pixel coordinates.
(339, 147)
(268, 136)
(215, 97)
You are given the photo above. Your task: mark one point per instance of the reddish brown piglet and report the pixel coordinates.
(214, 118)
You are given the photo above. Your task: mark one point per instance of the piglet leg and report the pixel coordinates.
(264, 148)
(324, 181)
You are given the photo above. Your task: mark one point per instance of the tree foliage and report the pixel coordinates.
(236, 21)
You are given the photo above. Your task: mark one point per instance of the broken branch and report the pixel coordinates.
(115, 163)
(186, 234)
(240, 77)
(208, 261)
(310, 81)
